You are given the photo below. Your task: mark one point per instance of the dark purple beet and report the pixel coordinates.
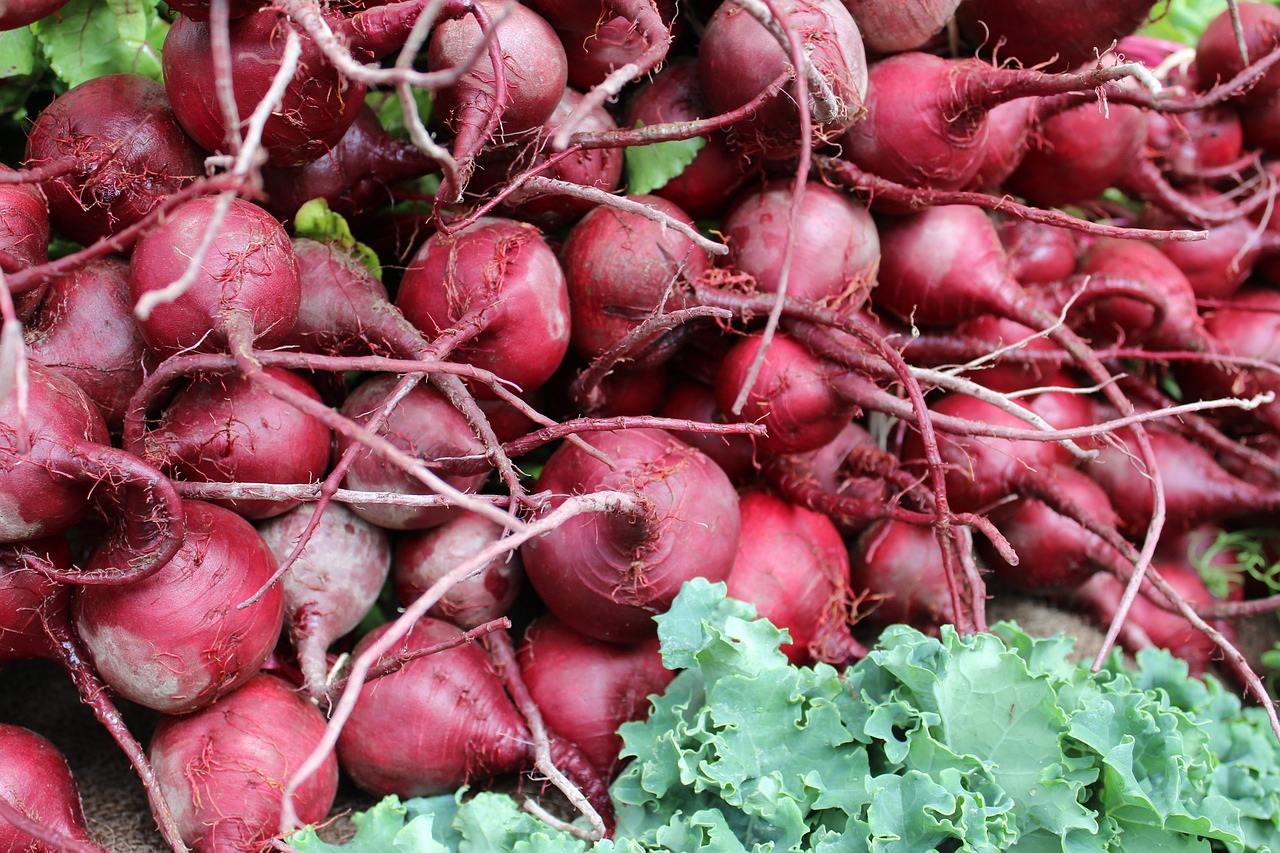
(228, 429)
(618, 266)
(129, 151)
(1065, 31)
(1218, 57)
(319, 104)
(424, 424)
(249, 270)
(675, 94)
(84, 329)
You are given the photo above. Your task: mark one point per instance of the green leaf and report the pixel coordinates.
(19, 53)
(90, 38)
(390, 112)
(1183, 20)
(650, 167)
(316, 221)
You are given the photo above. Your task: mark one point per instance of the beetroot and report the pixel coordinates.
(424, 424)
(345, 309)
(1078, 153)
(334, 582)
(1060, 30)
(476, 733)
(606, 575)
(318, 107)
(536, 72)
(794, 567)
(899, 567)
(505, 270)
(228, 429)
(176, 641)
(586, 688)
(249, 278)
(619, 267)
(35, 780)
(57, 457)
(837, 247)
(83, 328)
(888, 26)
(354, 177)
(795, 396)
(127, 149)
(24, 226)
(738, 59)
(223, 769)
(1218, 56)
(423, 557)
(675, 94)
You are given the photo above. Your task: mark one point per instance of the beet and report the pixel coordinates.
(607, 574)
(128, 149)
(228, 429)
(224, 768)
(35, 780)
(619, 267)
(424, 424)
(793, 566)
(505, 270)
(176, 641)
(836, 245)
(83, 328)
(587, 688)
(738, 59)
(249, 271)
(332, 585)
(423, 557)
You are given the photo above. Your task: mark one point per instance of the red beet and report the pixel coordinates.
(505, 270)
(176, 641)
(585, 688)
(607, 574)
(224, 768)
(422, 558)
(793, 566)
(228, 429)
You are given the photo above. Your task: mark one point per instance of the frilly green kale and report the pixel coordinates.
(981, 743)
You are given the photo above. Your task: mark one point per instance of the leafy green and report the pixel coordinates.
(1184, 20)
(89, 38)
(316, 221)
(983, 743)
(650, 167)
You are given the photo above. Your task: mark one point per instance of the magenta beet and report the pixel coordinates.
(504, 271)
(332, 585)
(176, 641)
(608, 574)
(224, 768)
(793, 566)
(585, 688)
(423, 557)
(425, 425)
(35, 779)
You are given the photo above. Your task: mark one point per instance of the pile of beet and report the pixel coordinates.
(939, 303)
